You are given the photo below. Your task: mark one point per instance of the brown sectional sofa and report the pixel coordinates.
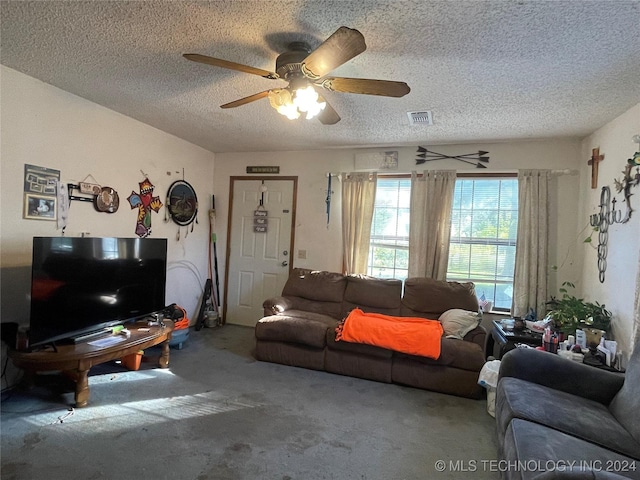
(299, 330)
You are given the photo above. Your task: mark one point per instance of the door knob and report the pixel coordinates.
(285, 263)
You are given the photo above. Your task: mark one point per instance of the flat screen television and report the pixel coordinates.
(81, 285)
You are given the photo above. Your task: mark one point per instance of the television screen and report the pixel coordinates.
(85, 284)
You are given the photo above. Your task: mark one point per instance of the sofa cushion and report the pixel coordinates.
(359, 348)
(327, 320)
(454, 353)
(427, 296)
(536, 451)
(380, 295)
(332, 309)
(305, 328)
(457, 322)
(572, 414)
(315, 285)
(477, 335)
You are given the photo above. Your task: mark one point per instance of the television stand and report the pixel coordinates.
(77, 359)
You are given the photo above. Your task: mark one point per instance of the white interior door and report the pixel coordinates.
(258, 263)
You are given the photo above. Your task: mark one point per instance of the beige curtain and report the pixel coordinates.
(530, 278)
(430, 223)
(358, 197)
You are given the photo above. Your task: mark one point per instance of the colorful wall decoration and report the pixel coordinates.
(146, 203)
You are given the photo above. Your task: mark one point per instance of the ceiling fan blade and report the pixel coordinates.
(245, 100)
(366, 86)
(344, 44)
(328, 116)
(218, 62)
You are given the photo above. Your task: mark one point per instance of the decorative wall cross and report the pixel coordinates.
(145, 202)
(608, 216)
(596, 158)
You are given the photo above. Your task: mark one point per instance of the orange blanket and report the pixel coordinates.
(415, 336)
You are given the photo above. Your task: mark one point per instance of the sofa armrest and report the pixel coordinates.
(276, 305)
(555, 372)
(477, 335)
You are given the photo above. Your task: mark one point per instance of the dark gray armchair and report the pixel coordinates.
(552, 411)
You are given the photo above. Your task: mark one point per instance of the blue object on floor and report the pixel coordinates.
(178, 337)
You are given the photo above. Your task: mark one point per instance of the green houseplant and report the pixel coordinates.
(570, 312)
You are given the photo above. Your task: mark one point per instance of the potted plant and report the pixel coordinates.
(570, 312)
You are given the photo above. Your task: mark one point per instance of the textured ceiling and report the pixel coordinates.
(488, 70)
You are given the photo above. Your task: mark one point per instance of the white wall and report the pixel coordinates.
(619, 290)
(45, 126)
(324, 245)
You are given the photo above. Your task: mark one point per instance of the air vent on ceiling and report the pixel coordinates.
(420, 118)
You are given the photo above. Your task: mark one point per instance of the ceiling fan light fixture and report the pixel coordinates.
(306, 101)
(292, 105)
(289, 111)
(281, 100)
(306, 70)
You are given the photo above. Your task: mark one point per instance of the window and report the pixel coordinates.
(484, 222)
(389, 247)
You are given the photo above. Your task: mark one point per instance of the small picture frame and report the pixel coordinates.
(40, 207)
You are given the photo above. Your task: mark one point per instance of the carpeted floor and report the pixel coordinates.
(218, 414)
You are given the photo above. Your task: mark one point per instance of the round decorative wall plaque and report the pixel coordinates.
(182, 203)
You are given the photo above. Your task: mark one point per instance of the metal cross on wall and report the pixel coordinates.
(595, 159)
(608, 216)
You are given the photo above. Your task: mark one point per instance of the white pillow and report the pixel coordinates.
(457, 322)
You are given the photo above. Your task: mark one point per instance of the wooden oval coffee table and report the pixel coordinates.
(76, 359)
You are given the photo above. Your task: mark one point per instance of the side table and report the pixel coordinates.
(505, 340)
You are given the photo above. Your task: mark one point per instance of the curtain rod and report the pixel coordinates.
(463, 174)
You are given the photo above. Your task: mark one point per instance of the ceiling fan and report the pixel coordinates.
(306, 71)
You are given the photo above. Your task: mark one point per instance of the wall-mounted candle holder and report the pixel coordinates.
(609, 214)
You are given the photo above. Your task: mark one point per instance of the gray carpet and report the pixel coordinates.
(217, 413)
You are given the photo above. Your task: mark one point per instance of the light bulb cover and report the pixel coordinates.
(306, 101)
(302, 100)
